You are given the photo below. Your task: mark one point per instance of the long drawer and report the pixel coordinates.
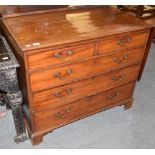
(122, 42)
(67, 113)
(57, 76)
(60, 56)
(72, 92)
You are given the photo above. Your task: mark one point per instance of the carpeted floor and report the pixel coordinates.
(114, 128)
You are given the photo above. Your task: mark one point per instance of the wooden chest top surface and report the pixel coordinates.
(67, 26)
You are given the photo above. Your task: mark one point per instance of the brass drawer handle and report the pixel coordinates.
(69, 91)
(120, 60)
(69, 52)
(110, 97)
(59, 115)
(128, 40)
(58, 55)
(89, 98)
(117, 60)
(63, 77)
(124, 41)
(126, 56)
(61, 95)
(118, 78)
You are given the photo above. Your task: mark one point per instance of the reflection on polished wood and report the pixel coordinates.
(60, 27)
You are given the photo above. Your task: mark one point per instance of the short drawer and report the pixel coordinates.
(67, 113)
(122, 43)
(77, 90)
(60, 56)
(57, 76)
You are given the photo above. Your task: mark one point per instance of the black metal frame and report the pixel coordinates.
(12, 95)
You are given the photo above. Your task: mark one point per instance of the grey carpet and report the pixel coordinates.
(114, 128)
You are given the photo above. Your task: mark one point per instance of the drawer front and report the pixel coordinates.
(121, 43)
(60, 56)
(77, 90)
(67, 113)
(57, 76)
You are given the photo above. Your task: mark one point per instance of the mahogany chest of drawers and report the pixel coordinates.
(75, 63)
